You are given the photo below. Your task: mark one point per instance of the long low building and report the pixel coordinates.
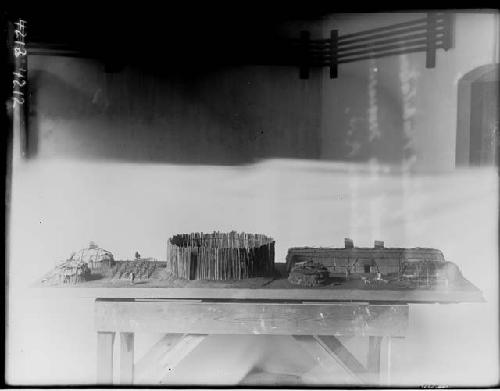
(363, 260)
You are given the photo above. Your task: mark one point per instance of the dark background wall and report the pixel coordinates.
(202, 89)
(235, 102)
(226, 115)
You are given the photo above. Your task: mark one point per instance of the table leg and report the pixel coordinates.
(105, 341)
(322, 347)
(373, 362)
(147, 366)
(385, 361)
(126, 358)
(179, 352)
(158, 365)
(379, 359)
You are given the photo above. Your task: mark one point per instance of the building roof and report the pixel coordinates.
(92, 253)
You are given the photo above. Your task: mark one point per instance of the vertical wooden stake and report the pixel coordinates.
(126, 358)
(105, 342)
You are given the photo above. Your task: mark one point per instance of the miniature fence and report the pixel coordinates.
(220, 256)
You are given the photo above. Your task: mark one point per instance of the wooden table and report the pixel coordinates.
(186, 316)
(314, 317)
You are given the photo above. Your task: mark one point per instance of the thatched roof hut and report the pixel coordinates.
(69, 272)
(94, 256)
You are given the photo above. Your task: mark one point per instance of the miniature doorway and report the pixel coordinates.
(477, 121)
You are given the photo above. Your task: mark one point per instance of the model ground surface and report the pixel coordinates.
(155, 275)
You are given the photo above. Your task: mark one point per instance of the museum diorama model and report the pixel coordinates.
(242, 260)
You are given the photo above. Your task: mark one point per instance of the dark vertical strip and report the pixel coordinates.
(430, 61)
(192, 265)
(19, 81)
(448, 31)
(475, 127)
(304, 54)
(6, 66)
(23, 115)
(462, 154)
(334, 37)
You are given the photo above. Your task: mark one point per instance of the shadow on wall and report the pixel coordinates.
(231, 115)
(363, 117)
(228, 115)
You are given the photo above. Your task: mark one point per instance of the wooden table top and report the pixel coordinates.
(278, 288)
(267, 293)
